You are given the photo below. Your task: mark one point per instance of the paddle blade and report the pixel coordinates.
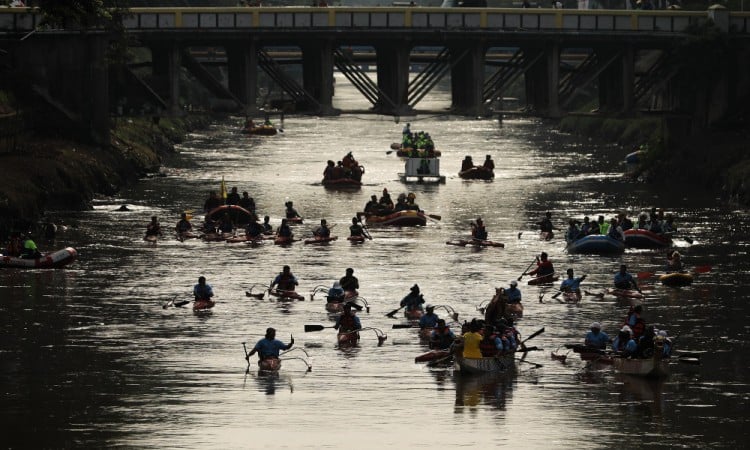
(393, 313)
(642, 275)
(314, 328)
(535, 334)
(397, 326)
(702, 269)
(435, 216)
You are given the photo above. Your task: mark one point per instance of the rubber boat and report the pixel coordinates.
(544, 279)
(52, 260)
(406, 218)
(496, 364)
(637, 238)
(239, 215)
(477, 173)
(321, 241)
(676, 279)
(260, 130)
(596, 244)
(342, 183)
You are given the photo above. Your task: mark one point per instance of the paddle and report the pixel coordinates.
(309, 328)
(698, 269)
(364, 228)
(393, 313)
(527, 269)
(434, 216)
(247, 356)
(529, 362)
(397, 326)
(533, 335)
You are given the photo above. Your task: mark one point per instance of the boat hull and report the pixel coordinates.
(347, 339)
(676, 279)
(342, 183)
(596, 244)
(646, 239)
(269, 364)
(200, 305)
(321, 241)
(625, 293)
(263, 130)
(545, 279)
(477, 173)
(499, 364)
(408, 218)
(53, 260)
(647, 367)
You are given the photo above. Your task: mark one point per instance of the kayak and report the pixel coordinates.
(496, 364)
(546, 235)
(283, 240)
(596, 244)
(571, 297)
(53, 260)
(203, 304)
(237, 239)
(321, 241)
(477, 173)
(261, 130)
(646, 239)
(406, 218)
(349, 339)
(269, 364)
(433, 355)
(475, 243)
(294, 220)
(676, 279)
(356, 239)
(285, 295)
(217, 237)
(342, 183)
(544, 279)
(624, 293)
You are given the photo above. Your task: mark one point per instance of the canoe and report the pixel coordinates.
(625, 293)
(239, 215)
(269, 364)
(345, 339)
(342, 183)
(285, 296)
(406, 218)
(544, 279)
(52, 260)
(261, 130)
(655, 366)
(477, 173)
(203, 304)
(475, 243)
(646, 239)
(676, 279)
(591, 354)
(514, 310)
(596, 244)
(321, 241)
(496, 364)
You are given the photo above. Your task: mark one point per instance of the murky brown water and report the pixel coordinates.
(90, 357)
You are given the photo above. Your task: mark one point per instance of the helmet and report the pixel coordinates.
(514, 283)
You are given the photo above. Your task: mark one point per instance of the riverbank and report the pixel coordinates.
(43, 174)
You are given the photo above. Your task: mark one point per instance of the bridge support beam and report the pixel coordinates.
(166, 62)
(467, 79)
(542, 81)
(242, 68)
(611, 82)
(393, 78)
(317, 74)
(628, 80)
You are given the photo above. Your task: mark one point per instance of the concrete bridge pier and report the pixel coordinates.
(242, 73)
(616, 82)
(542, 80)
(166, 62)
(393, 78)
(467, 79)
(317, 74)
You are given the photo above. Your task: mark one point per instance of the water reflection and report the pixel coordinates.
(494, 390)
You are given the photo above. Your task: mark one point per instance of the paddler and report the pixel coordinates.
(356, 229)
(543, 266)
(442, 338)
(478, 231)
(322, 232)
(183, 225)
(269, 346)
(290, 212)
(347, 321)
(202, 290)
(285, 280)
(471, 341)
(349, 282)
(513, 293)
(414, 300)
(254, 230)
(284, 230)
(429, 319)
(153, 228)
(674, 261)
(624, 280)
(30, 250)
(572, 284)
(596, 338)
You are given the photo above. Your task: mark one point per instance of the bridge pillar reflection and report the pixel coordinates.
(393, 78)
(317, 74)
(467, 79)
(165, 64)
(242, 73)
(542, 80)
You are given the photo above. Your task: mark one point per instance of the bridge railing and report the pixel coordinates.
(401, 18)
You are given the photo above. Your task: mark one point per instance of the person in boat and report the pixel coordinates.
(411, 202)
(646, 342)
(247, 202)
(347, 321)
(478, 230)
(30, 250)
(338, 171)
(472, 340)
(183, 225)
(385, 200)
(253, 230)
(642, 222)
(615, 231)
(572, 284)
(663, 340)
(668, 225)
(544, 266)
(414, 300)
(429, 319)
(225, 224)
(212, 202)
(467, 163)
(495, 311)
(508, 335)
(546, 226)
(267, 227)
(290, 212)
(202, 290)
(442, 338)
(573, 231)
(489, 164)
(596, 338)
(401, 204)
(491, 344)
(349, 282)
(15, 245)
(634, 320)
(624, 221)
(336, 293)
(585, 228)
(513, 293)
(674, 262)
(356, 229)
(603, 225)
(328, 172)
(654, 223)
(285, 281)
(284, 230)
(624, 280)
(209, 225)
(153, 228)
(406, 130)
(233, 198)
(624, 343)
(322, 232)
(269, 346)
(349, 162)
(373, 206)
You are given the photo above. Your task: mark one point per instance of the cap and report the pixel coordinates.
(626, 328)
(428, 307)
(596, 325)
(662, 333)
(514, 283)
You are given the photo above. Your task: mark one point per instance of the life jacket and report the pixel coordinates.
(346, 323)
(487, 346)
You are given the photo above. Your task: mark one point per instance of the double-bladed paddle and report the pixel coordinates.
(393, 313)
(527, 269)
(309, 328)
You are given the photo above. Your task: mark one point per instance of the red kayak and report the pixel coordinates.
(356, 239)
(202, 304)
(432, 355)
(544, 279)
(348, 339)
(283, 240)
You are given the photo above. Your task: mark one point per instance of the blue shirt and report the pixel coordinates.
(624, 280)
(571, 284)
(269, 348)
(514, 295)
(203, 292)
(598, 340)
(428, 320)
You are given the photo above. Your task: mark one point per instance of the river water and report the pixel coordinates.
(90, 358)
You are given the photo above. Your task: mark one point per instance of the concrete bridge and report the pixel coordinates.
(623, 59)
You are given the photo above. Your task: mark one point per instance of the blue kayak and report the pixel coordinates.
(596, 244)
